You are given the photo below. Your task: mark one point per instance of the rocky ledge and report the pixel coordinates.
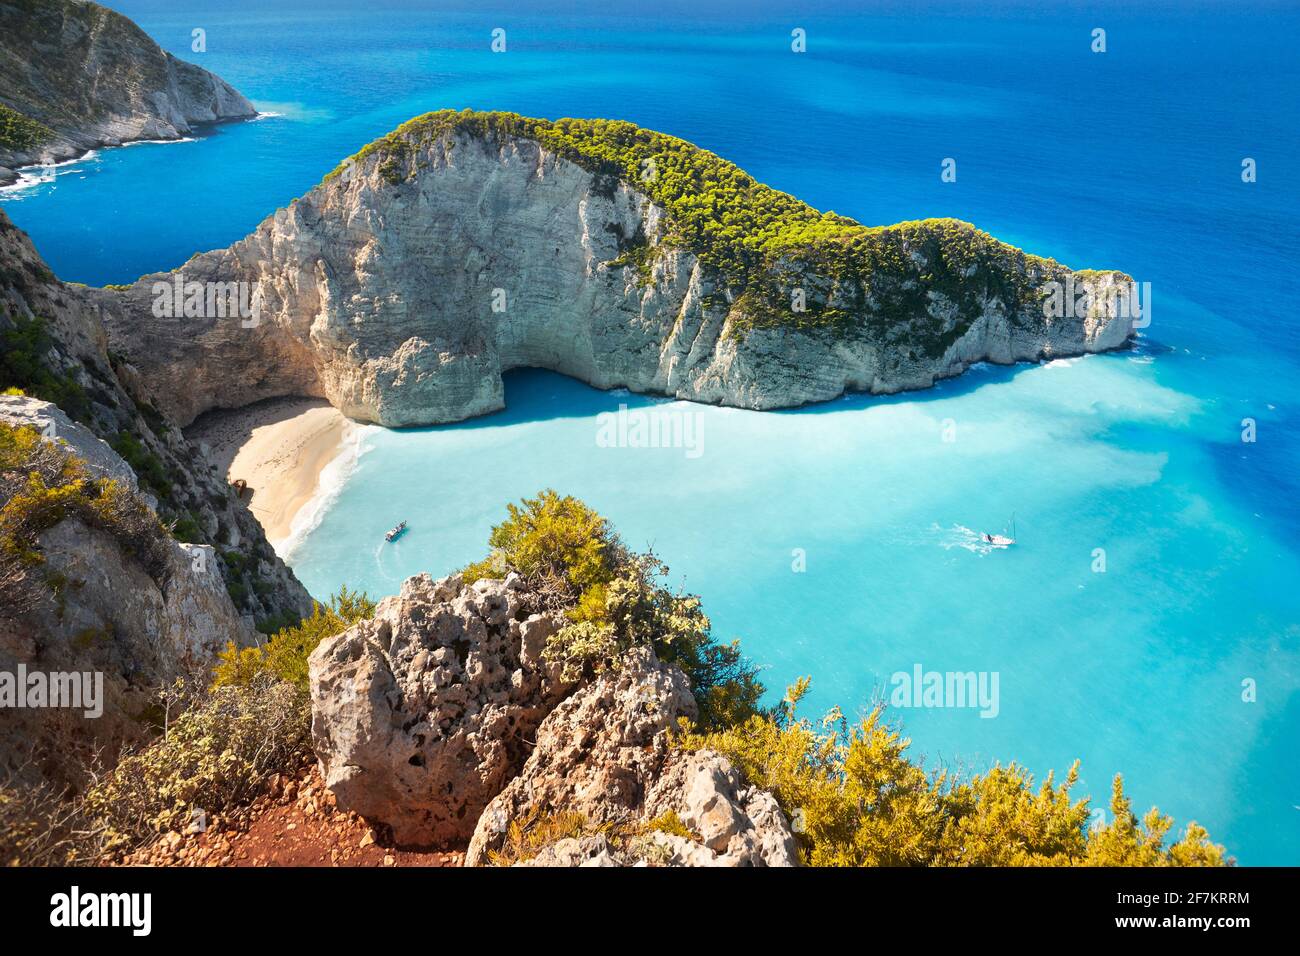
(440, 719)
(467, 244)
(75, 76)
(123, 599)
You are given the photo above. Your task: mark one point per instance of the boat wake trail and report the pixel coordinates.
(968, 539)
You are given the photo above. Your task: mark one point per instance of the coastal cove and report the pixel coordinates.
(841, 540)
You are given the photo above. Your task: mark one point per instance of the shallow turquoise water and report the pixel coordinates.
(1129, 159)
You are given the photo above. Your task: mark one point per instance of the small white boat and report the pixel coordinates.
(396, 532)
(1001, 540)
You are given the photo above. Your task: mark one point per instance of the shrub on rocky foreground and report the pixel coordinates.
(858, 800)
(216, 755)
(612, 600)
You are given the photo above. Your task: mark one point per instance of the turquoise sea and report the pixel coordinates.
(1129, 159)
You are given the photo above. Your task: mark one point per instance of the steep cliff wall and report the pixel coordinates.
(75, 75)
(91, 583)
(53, 346)
(464, 245)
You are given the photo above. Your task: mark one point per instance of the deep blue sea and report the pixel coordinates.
(1127, 159)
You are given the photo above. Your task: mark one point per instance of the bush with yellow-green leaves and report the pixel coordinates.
(614, 599)
(214, 756)
(856, 799)
(41, 484)
(284, 655)
(41, 826)
(254, 722)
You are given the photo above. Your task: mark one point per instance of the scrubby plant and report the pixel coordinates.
(148, 468)
(41, 825)
(635, 609)
(42, 484)
(614, 600)
(19, 132)
(529, 835)
(185, 527)
(214, 756)
(857, 799)
(216, 750)
(284, 656)
(670, 822)
(560, 547)
(26, 367)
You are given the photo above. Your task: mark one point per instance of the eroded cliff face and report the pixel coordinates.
(91, 78)
(131, 606)
(62, 323)
(402, 289)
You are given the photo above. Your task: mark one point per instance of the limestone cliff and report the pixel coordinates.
(466, 244)
(94, 585)
(54, 346)
(75, 76)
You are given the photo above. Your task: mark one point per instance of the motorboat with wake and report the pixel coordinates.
(1001, 540)
(396, 532)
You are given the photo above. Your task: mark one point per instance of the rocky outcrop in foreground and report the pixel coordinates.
(604, 755)
(440, 719)
(86, 602)
(99, 607)
(421, 715)
(465, 245)
(75, 76)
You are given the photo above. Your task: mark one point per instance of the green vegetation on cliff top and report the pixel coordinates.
(764, 244)
(18, 132)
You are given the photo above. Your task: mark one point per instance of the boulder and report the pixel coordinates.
(605, 755)
(423, 714)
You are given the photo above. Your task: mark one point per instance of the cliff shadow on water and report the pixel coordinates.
(539, 395)
(535, 395)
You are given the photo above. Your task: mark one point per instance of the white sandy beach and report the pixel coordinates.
(280, 447)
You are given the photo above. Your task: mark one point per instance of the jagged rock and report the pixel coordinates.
(94, 78)
(421, 715)
(108, 615)
(158, 629)
(738, 825)
(604, 754)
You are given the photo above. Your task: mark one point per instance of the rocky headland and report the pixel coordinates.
(466, 244)
(75, 76)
